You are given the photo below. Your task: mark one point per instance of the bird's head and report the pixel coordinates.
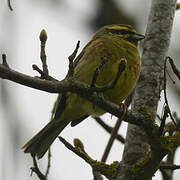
(121, 31)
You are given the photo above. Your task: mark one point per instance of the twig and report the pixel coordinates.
(109, 129)
(166, 172)
(171, 167)
(49, 150)
(121, 68)
(81, 154)
(43, 74)
(4, 63)
(174, 68)
(43, 39)
(111, 140)
(114, 131)
(177, 6)
(177, 119)
(80, 88)
(163, 119)
(107, 170)
(80, 146)
(36, 170)
(71, 60)
(165, 94)
(49, 163)
(9, 5)
(96, 72)
(174, 82)
(129, 99)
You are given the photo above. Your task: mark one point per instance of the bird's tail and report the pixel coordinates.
(41, 142)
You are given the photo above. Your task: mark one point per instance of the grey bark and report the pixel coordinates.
(148, 89)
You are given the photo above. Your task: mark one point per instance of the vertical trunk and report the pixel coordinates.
(148, 89)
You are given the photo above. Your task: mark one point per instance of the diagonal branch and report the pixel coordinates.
(107, 170)
(165, 94)
(121, 68)
(9, 5)
(37, 171)
(109, 129)
(171, 167)
(42, 73)
(114, 131)
(174, 68)
(72, 85)
(71, 60)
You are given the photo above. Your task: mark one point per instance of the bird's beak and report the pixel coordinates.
(138, 37)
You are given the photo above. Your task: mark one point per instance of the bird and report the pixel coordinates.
(115, 43)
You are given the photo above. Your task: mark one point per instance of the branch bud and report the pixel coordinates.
(43, 36)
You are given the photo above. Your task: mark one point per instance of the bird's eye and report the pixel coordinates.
(123, 31)
(115, 31)
(126, 32)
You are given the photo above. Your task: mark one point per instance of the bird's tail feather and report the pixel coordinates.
(41, 142)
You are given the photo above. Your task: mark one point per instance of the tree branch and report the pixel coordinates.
(71, 60)
(174, 68)
(111, 139)
(43, 39)
(109, 129)
(107, 170)
(114, 131)
(165, 94)
(9, 5)
(35, 169)
(171, 167)
(48, 163)
(74, 86)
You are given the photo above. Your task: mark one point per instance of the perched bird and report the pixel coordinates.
(113, 42)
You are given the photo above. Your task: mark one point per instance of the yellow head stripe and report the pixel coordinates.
(121, 27)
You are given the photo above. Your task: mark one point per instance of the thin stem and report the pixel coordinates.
(35, 169)
(111, 140)
(174, 68)
(165, 94)
(109, 129)
(9, 5)
(43, 39)
(71, 60)
(49, 163)
(163, 120)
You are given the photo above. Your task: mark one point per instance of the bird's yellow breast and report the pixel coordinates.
(114, 52)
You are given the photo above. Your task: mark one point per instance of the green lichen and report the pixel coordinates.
(109, 171)
(160, 146)
(174, 140)
(139, 167)
(170, 127)
(143, 109)
(145, 168)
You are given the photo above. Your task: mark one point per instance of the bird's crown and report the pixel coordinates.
(122, 31)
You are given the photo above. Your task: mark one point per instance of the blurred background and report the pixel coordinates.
(24, 111)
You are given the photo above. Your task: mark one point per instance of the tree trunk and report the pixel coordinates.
(149, 87)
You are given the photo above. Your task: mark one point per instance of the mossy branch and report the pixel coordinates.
(72, 85)
(105, 169)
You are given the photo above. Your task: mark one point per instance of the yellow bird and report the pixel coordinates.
(113, 42)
